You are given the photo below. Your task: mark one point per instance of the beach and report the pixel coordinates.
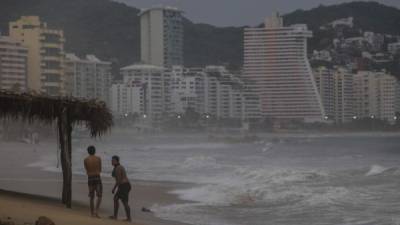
(282, 179)
(25, 209)
(28, 192)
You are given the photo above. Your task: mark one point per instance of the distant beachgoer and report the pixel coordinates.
(124, 187)
(93, 170)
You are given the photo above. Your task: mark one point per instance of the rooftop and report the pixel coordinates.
(142, 67)
(89, 58)
(160, 7)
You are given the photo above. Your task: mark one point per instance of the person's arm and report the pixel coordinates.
(100, 164)
(115, 187)
(117, 178)
(119, 175)
(85, 163)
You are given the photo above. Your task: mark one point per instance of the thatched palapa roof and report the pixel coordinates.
(30, 107)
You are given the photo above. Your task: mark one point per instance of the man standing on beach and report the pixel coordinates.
(124, 187)
(93, 170)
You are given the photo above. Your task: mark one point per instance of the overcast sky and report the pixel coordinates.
(238, 12)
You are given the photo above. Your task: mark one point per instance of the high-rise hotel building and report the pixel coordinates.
(45, 54)
(374, 95)
(88, 77)
(161, 37)
(336, 90)
(145, 86)
(276, 64)
(13, 65)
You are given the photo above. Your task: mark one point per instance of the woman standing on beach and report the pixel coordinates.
(124, 187)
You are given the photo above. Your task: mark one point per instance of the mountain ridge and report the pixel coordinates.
(111, 29)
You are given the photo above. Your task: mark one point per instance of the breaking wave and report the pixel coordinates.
(199, 162)
(253, 187)
(376, 170)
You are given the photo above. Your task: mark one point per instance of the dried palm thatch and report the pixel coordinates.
(94, 114)
(66, 112)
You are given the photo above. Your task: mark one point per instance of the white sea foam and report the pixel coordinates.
(376, 170)
(198, 162)
(328, 195)
(268, 146)
(189, 146)
(248, 187)
(187, 213)
(46, 163)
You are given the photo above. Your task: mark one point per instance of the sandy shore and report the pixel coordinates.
(25, 209)
(43, 190)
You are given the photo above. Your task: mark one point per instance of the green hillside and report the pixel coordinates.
(111, 30)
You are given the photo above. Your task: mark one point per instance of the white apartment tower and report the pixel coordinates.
(219, 93)
(183, 89)
(126, 98)
(275, 62)
(88, 77)
(213, 91)
(336, 90)
(161, 37)
(13, 65)
(324, 80)
(374, 94)
(153, 81)
(397, 104)
(344, 95)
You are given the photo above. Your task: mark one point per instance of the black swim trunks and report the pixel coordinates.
(95, 186)
(123, 191)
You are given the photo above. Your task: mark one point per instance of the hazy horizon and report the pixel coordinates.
(238, 12)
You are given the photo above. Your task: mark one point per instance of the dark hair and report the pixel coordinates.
(91, 150)
(116, 158)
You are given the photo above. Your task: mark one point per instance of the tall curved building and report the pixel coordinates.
(275, 62)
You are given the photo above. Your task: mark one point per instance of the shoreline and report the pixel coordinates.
(147, 192)
(35, 186)
(48, 191)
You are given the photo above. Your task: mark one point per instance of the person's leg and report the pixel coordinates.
(127, 210)
(98, 206)
(116, 206)
(99, 195)
(91, 196)
(92, 205)
(125, 201)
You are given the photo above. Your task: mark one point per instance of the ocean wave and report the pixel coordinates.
(189, 146)
(278, 176)
(253, 187)
(199, 162)
(189, 213)
(376, 170)
(267, 147)
(327, 196)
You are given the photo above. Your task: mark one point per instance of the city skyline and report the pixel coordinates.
(276, 82)
(240, 13)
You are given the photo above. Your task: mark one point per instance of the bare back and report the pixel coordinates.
(93, 165)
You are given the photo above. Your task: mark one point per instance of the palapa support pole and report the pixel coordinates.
(65, 129)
